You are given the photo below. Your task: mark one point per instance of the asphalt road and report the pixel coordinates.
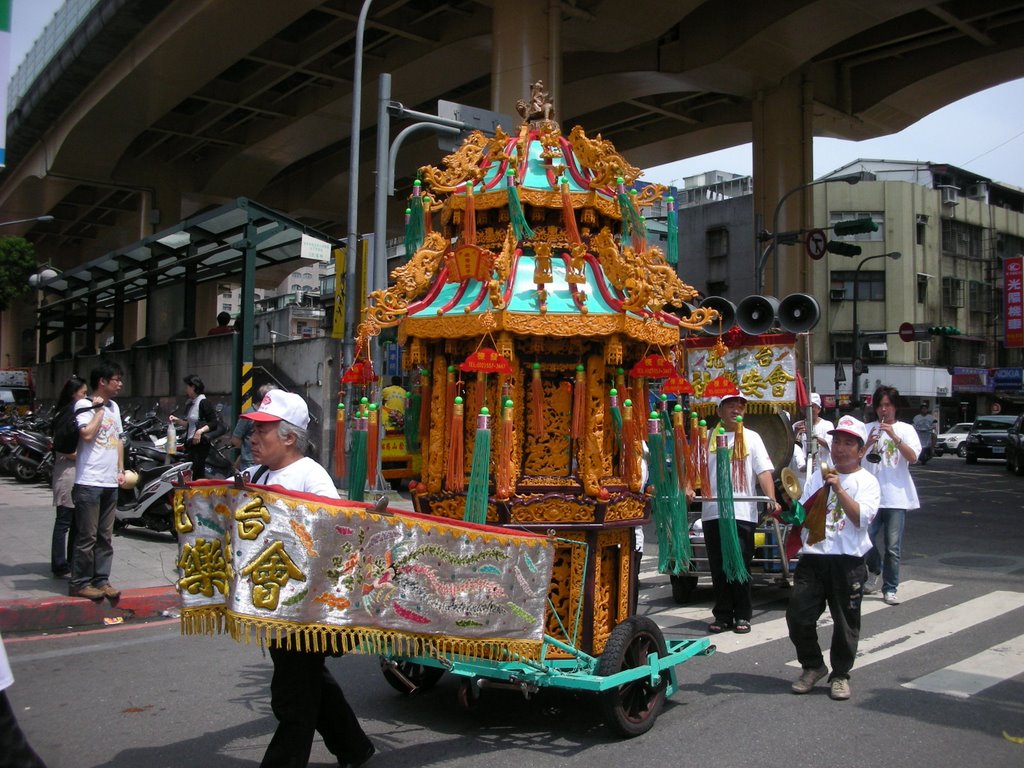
(939, 680)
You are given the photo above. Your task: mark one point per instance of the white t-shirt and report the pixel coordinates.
(893, 471)
(303, 476)
(842, 537)
(6, 676)
(757, 461)
(923, 425)
(96, 463)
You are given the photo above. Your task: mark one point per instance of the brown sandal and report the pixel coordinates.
(718, 626)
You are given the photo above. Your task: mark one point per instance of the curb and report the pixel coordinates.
(46, 613)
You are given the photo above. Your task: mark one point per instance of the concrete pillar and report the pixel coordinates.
(783, 161)
(526, 48)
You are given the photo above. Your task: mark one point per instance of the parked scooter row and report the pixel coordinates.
(25, 449)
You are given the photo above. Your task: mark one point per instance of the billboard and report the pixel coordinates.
(1013, 302)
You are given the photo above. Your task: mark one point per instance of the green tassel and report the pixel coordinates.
(732, 556)
(414, 221)
(672, 247)
(412, 421)
(616, 418)
(480, 473)
(516, 216)
(357, 465)
(670, 518)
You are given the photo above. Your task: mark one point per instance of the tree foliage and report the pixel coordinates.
(17, 262)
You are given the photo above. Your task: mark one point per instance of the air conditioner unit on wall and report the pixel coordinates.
(950, 195)
(924, 351)
(978, 191)
(982, 358)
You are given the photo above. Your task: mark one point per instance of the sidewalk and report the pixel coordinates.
(32, 600)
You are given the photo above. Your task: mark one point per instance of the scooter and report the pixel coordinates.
(32, 458)
(149, 503)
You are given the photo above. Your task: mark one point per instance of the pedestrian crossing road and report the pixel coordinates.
(899, 630)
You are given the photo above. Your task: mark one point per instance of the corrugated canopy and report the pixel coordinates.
(214, 243)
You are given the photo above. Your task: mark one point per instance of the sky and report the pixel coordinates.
(983, 133)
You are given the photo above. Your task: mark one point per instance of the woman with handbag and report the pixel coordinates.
(203, 424)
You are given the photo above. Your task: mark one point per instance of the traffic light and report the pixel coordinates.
(944, 330)
(842, 249)
(854, 227)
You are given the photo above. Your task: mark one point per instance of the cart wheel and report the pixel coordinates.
(632, 708)
(683, 587)
(422, 676)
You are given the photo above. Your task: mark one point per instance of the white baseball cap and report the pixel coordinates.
(816, 399)
(852, 426)
(279, 405)
(723, 398)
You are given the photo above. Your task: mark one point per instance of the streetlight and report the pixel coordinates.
(773, 247)
(26, 221)
(855, 383)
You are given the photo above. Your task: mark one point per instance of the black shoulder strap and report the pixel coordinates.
(264, 469)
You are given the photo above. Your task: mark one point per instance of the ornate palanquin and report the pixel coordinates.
(541, 255)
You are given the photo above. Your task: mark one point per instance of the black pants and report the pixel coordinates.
(732, 599)
(15, 751)
(197, 453)
(305, 698)
(835, 580)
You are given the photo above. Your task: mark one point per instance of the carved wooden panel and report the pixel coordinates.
(548, 454)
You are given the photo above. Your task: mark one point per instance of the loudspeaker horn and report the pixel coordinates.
(727, 315)
(799, 312)
(756, 314)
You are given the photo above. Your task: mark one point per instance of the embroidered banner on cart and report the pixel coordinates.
(334, 575)
(763, 368)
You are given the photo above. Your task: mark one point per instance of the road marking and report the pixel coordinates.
(970, 676)
(769, 631)
(937, 626)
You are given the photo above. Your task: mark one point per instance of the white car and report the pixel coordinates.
(952, 440)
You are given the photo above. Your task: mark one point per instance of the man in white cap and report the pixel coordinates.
(304, 695)
(733, 604)
(820, 429)
(832, 571)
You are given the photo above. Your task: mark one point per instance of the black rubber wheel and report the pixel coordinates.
(23, 472)
(422, 676)
(632, 708)
(683, 586)
(961, 451)
(1018, 463)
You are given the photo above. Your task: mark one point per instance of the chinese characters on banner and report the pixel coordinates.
(763, 368)
(1013, 275)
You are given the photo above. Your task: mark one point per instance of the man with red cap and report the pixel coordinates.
(304, 696)
(832, 571)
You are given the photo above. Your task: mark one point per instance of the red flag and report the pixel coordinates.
(802, 400)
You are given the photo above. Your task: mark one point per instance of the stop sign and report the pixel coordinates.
(907, 331)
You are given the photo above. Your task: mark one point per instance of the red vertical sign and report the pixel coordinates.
(1013, 300)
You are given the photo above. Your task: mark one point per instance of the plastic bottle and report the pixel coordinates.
(172, 441)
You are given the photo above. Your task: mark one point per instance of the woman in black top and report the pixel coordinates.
(204, 424)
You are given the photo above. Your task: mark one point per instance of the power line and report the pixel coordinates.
(990, 151)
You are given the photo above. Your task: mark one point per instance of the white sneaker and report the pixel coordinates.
(890, 598)
(840, 689)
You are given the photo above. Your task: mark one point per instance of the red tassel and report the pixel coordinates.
(456, 480)
(537, 398)
(469, 218)
(568, 214)
(579, 403)
(503, 472)
(702, 460)
(629, 474)
(449, 396)
(372, 445)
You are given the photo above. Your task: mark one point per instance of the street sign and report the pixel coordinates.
(907, 332)
(858, 367)
(816, 243)
(840, 376)
(475, 120)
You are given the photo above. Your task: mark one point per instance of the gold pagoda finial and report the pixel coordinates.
(539, 109)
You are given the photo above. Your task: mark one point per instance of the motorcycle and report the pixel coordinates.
(33, 457)
(149, 503)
